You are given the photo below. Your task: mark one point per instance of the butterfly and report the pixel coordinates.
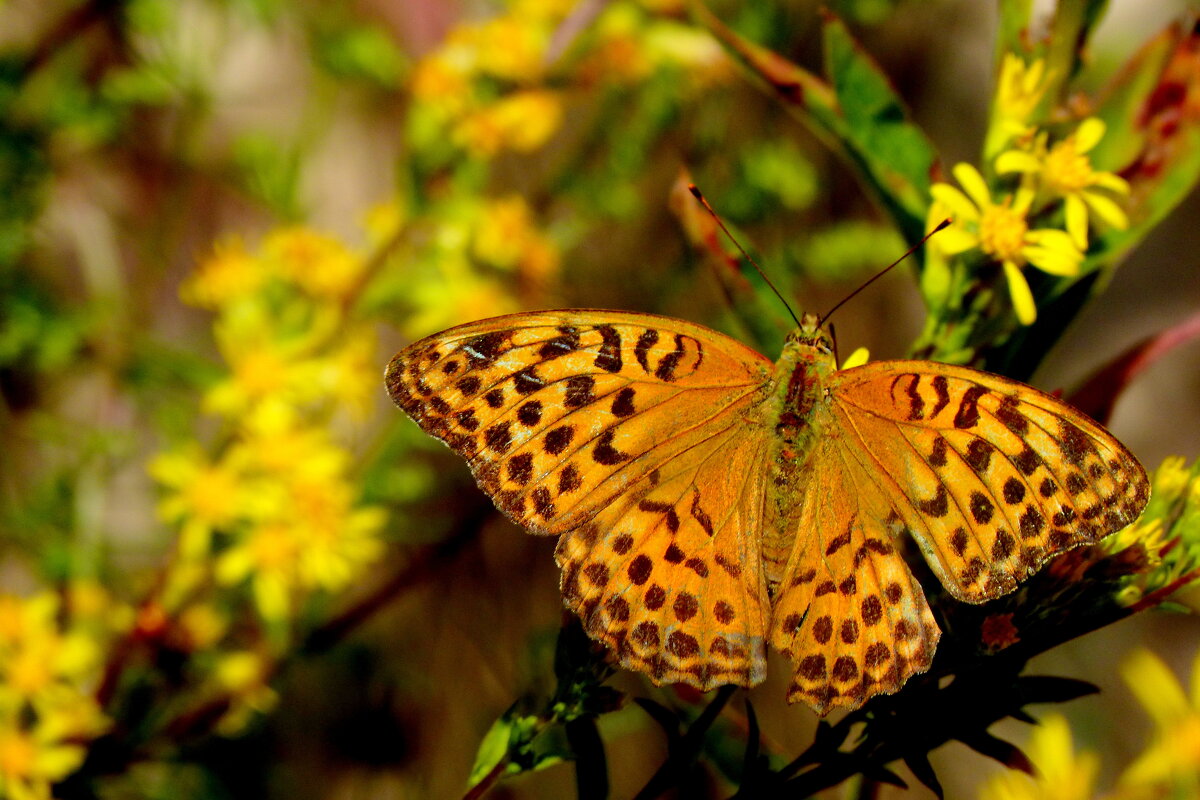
(709, 503)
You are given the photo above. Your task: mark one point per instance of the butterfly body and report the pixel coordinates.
(709, 503)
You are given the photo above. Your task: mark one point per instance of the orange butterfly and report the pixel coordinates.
(709, 503)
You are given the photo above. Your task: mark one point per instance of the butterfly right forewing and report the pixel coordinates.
(992, 476)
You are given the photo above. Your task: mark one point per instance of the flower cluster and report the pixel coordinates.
(496, 85)
(1048, 188)
(51, 658)
(1168, 537)
(274, 508)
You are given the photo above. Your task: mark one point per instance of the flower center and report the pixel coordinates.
(1066, 170)
(1002, 233)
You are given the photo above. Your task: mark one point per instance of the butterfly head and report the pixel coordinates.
(809, 334)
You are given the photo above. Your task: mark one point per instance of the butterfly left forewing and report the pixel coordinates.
(639, 438)
(992, 476)
(556, 411)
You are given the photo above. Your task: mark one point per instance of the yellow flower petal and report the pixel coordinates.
(1088, 134)
(1054, 261)
(960, 207)
(1107, 209)
(1114, 183)
(1155, 687)
(1022, 297)
(1016, 161)
(856, 359)
(955, 240)
(973, 184)
(1077, 220)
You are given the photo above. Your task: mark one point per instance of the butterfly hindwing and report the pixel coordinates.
(848, 611)
(993, 477)
(669, 575)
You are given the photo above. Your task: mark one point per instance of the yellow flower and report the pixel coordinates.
(441, 304)
(1001, 231)
(522, 121)
(320, 265)
(267, 557)
(1172, 762)
(229, 274)
(30, 761)
(443, 80)
(510, 48)
(1019, 90)
(203, 495)
(36, 656)
(504, 227)
(266, 365)
(1062, 774)
(1065, 171)
(339, 540)
(244, 674)
(349, 375)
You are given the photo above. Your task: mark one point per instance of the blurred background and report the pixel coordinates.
(219, 219)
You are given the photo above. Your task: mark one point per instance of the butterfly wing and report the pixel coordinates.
(991, 476)
(848, 612)
(639, 439)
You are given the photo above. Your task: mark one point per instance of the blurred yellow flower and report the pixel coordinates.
(278, 445)
(504, 228)
(442, 304)
(227, 275)
(522, 121)
(263, 368)
(47, 675)
(1170, 767)
(202, 495)
(244, 675)
(1019, 90)
(1001, 231)
(510, 48)
(30, 761)
(349, 376)
(318, 264)
(443, 81)
(1062, 773)
(267, 557)
(383, 220)
(1065, 171)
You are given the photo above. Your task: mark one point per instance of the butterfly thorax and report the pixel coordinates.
(797, 393)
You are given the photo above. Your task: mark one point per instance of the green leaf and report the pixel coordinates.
(1072, 26)
(493, 750)
(1014, 24)
(895, 156)
(856, 113)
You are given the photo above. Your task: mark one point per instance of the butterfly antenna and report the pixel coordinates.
(696, 193)
(882, 272)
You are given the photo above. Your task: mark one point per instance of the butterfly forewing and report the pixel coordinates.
(621, 431)
(991, 476)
